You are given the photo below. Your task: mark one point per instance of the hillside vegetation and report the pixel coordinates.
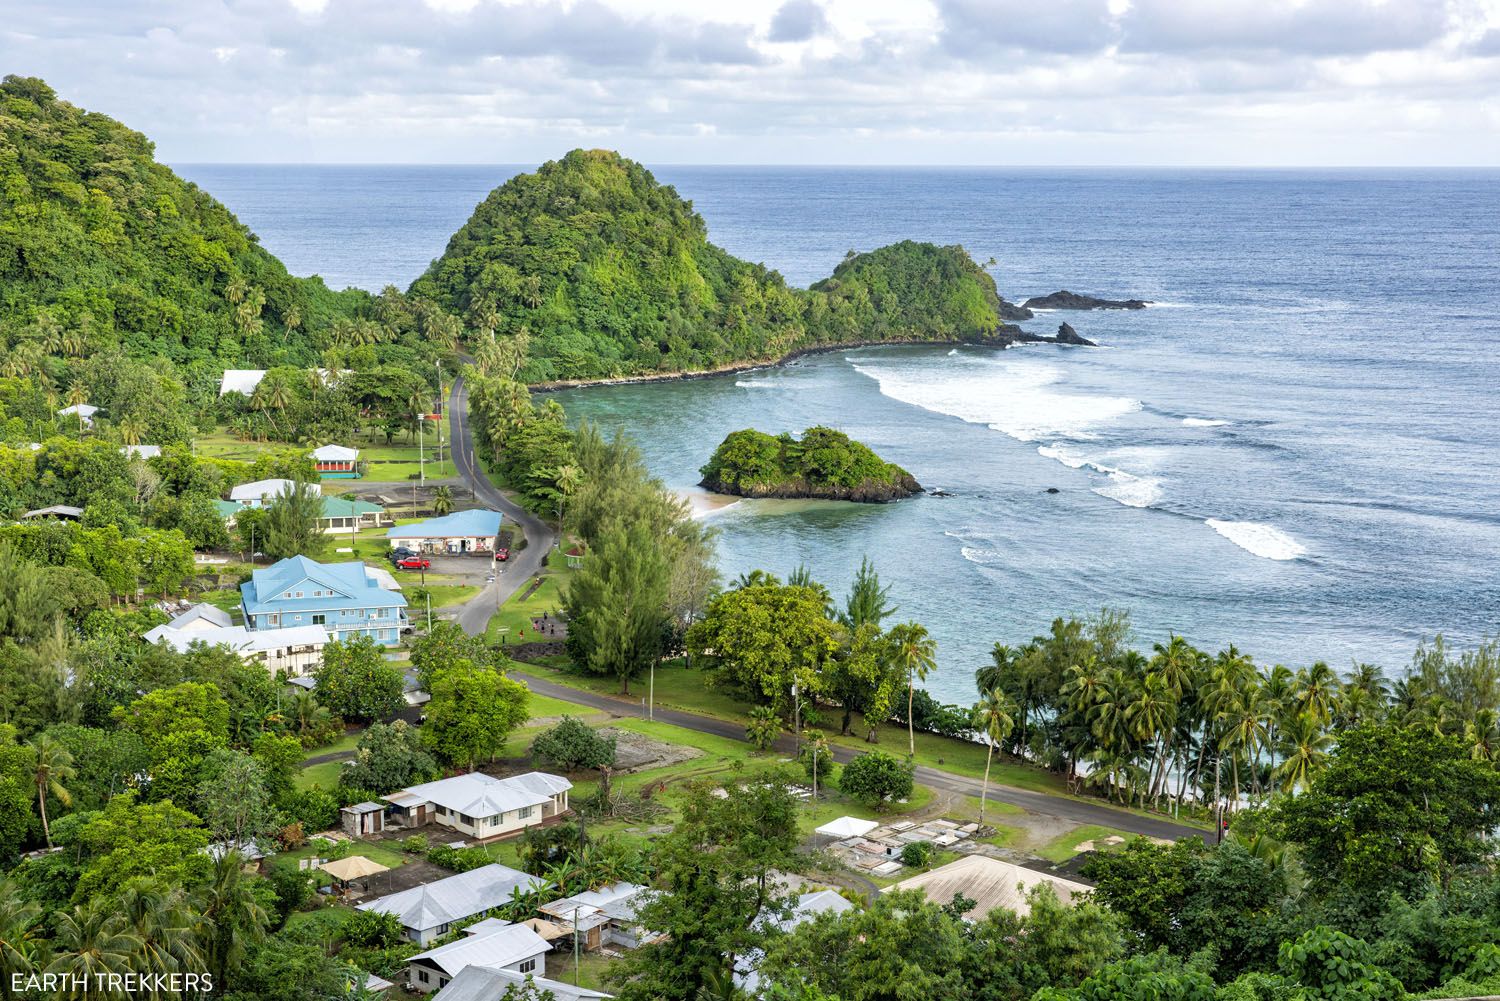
(823, 463)
(605, 273)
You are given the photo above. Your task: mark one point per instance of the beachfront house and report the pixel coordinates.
(343, 598)
(296, 651)
(491, 943)
(482, 806)
(456, 533)
(428, 912)
(336, 462)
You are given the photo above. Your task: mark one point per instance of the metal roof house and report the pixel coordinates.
(806, 907)
(428, 911)
(459, 532)
(141, 451)
(335, 462)
(259, 493)
(340, 597)
(482, 806)
(486, 983)
(55, 511)
(84, 412)
(491, 943)
(241, 380)
(990, 883)
(606, 916)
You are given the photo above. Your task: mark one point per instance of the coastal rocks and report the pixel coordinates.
(1052, 490)
(938, 492)
(1009, 311)
(901, 486)
(1067, 335)
(1072, 300)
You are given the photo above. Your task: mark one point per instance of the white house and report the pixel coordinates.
(259, 493)
(141, 451)
(806, 907)
(460, 532)
(296, 650)
(82, 412)
(336, 461)
(428, 912)
(482, 806)
(241, 380)
(492, 943)
(486, 983)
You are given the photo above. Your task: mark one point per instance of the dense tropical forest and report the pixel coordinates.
(822, 463)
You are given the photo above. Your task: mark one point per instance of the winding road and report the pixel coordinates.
(475, 617)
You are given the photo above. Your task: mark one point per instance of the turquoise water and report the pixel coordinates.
(1295, 450)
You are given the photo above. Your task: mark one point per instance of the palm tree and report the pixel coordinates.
(290, 320)
(1304, 749)
(1317, 692)
(91, 942)
(230, 918)
(916, 652)
(236, 290)
(163, 928)
(1482, 734)
(54, 766)
(442, 500)
(568, 479)
(307, 713)
(994, 716)
(132, 430)
(20, 946)
(1153, 715)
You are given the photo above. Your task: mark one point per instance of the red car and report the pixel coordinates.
(414, 563)
(502, 555)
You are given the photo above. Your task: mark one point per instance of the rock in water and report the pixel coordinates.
(1072, 300)
(1067, 335)
(1010, 312)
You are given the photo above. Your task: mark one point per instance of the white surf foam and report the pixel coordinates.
(952, 352)
(1203, 422)
(1265, 541)
(758, 383)
(1130, 490)
(1017, 398)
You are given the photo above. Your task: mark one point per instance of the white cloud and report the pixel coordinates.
(945, 81)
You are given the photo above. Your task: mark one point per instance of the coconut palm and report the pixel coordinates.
(236, 290)
(1304, 749)
(994, 716)
(1317, 692)
(568, 479)
(230, 917)
(442, 500)
(290, 320)
(91, 942)
(132, 430)
(53, 767)
(20, 944)
(1152, 715)
(162, 925)
(916, 653)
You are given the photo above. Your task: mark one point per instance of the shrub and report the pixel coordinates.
(764, 727)
(877, 778)
(459, 859)
(372, 929)
(916, 854)
(572, 746)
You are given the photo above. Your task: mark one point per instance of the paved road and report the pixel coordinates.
(1079, 811)
(474, 617)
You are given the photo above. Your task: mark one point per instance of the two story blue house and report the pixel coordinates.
(341, 597)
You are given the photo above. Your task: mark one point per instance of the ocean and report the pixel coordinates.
(1295, 449)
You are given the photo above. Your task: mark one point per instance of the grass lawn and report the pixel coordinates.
(590, 969)
(387, 463)
(345, 743)
(1064, 846)
(325, 775)
(516, 614)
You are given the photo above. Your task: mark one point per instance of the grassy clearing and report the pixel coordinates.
(325, 775)
(395, 462)
(516, 614)
(345, 743)
(589, 972)
(1064, 846)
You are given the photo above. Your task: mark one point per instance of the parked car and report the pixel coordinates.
(502, 554)
(400, 551)
(414, 563)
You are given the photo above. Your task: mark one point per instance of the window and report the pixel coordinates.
(299, 594)
(523, 813)
(465, 818)
(422, 976)
(318, 620)
(527, 965)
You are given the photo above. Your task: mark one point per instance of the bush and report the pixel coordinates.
(877, 778)
(931, 716)
(372, 929)
(814, 739)
(572, 746)
(764, 727)
(459, 859)
(916, 854)
(314, 809)
(416, 844)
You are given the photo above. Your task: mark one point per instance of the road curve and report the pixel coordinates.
(1079, 811)
(475, 616)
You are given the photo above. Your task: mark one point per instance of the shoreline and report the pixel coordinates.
(1005, 337)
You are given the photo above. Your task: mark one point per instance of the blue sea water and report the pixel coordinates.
(1296, 449)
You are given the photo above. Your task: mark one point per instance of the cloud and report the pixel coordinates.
(996, 81)
(797, 21)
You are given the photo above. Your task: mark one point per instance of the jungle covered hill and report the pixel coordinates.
(611, 274)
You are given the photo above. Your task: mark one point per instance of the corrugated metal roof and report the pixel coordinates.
(465, 524)
(481, 795)
(988, 881)
(485, 983)
(455, 898)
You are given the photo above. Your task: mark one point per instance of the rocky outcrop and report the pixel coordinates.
(1010, 312)
(1067, 335)
(1072, 300)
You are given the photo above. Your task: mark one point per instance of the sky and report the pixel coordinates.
(962, 82)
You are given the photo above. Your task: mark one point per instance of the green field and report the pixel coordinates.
(1064, 846)
(393, 463)
(516, 614)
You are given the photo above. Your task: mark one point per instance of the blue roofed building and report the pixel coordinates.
(344, 598)
(459, 532)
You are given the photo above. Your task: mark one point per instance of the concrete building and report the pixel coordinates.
(340, 597)
(297, 650)
(485, 983)
(492, 944)
(335, 462)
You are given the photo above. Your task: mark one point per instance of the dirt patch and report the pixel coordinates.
(635, 752)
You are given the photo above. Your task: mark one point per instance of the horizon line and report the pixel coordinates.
(846, 166)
